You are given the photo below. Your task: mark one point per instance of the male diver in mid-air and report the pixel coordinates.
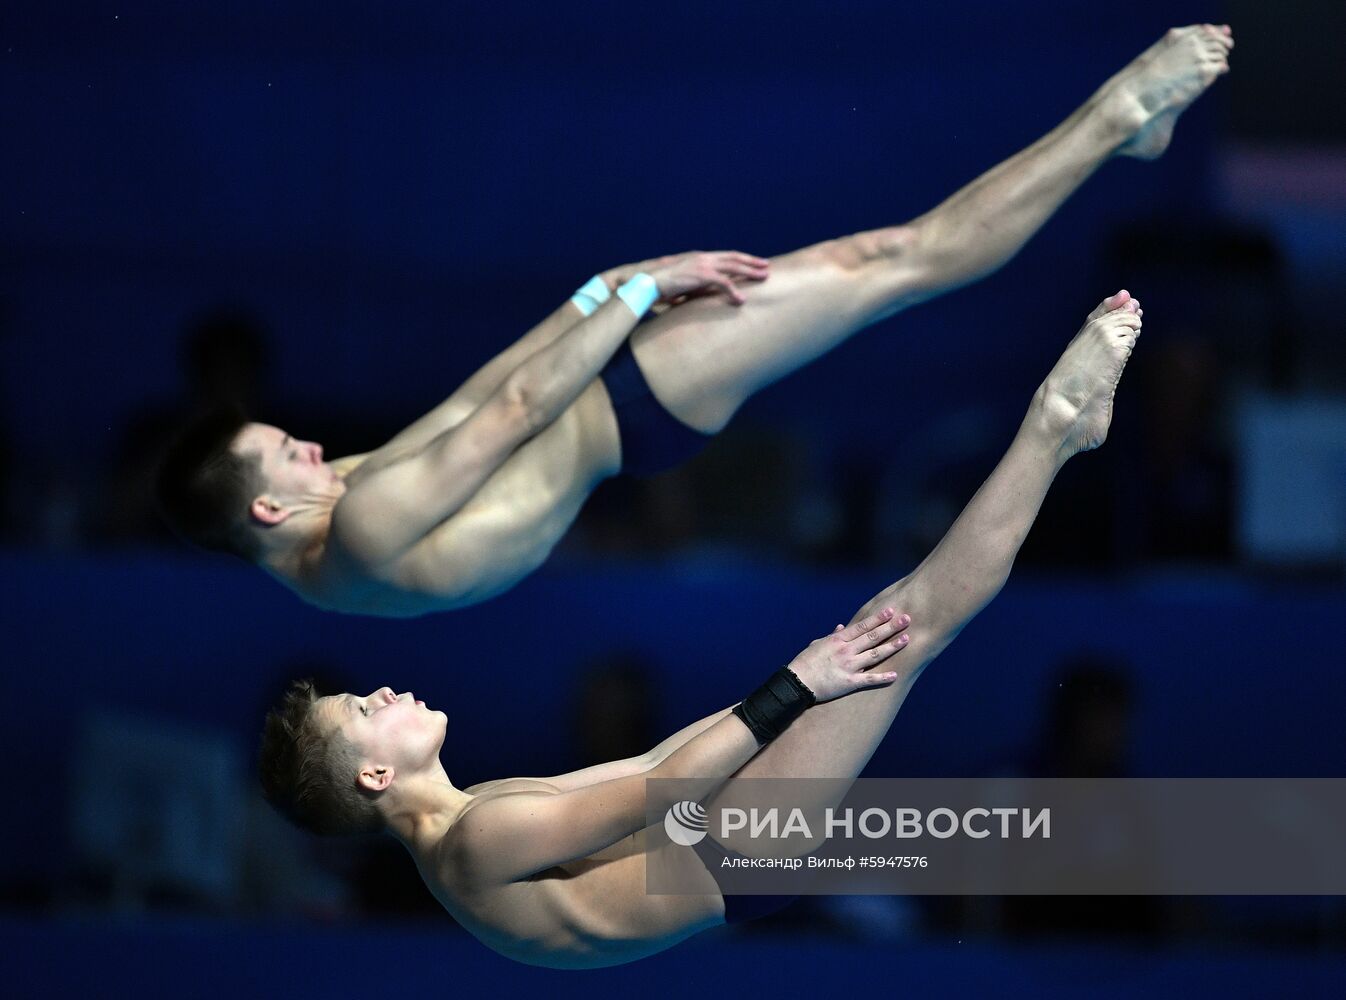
(473, 496)
(551, 871)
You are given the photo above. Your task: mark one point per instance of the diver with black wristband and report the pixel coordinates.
(552, 871)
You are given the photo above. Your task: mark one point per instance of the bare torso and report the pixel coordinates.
(500, 536)
(587, 913)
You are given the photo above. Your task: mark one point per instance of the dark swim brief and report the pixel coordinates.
(737, 908)
(652, 438)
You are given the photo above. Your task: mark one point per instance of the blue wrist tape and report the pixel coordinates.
(596, 288)
(592, 294)
(639, 293)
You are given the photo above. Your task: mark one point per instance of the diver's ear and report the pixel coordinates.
(375, 779)
(267, 510)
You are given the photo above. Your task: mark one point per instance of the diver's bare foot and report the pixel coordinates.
(1115, 301)
(1145, 99)
(1076, 398)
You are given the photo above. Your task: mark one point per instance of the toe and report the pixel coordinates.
(1108, 305)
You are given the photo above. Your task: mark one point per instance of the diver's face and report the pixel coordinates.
(292, 469)
(389, 729)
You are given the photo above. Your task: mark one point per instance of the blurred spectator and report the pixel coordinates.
(154, 814)
(1217, 295)
(944, 462)
(627, 517)
(1086, 733)
(614, 713)
(857, 502)
(1185, 481)
(7, 528)
(224, 358)
(1224, 281)
(6, 447)
(742, 493)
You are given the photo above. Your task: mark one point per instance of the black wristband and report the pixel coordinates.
(769, 710)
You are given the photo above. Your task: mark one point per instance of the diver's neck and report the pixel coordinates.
(426, 809)
(295, 559)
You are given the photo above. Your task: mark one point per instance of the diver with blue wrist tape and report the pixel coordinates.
(631, 374)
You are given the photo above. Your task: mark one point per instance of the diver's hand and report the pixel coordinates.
(849, 659)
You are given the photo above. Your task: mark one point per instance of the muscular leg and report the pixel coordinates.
(704, 358)
(1070, 413)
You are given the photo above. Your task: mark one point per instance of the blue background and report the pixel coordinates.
(398, 191)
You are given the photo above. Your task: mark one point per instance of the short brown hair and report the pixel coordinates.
(310, 775)
(204, 488)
